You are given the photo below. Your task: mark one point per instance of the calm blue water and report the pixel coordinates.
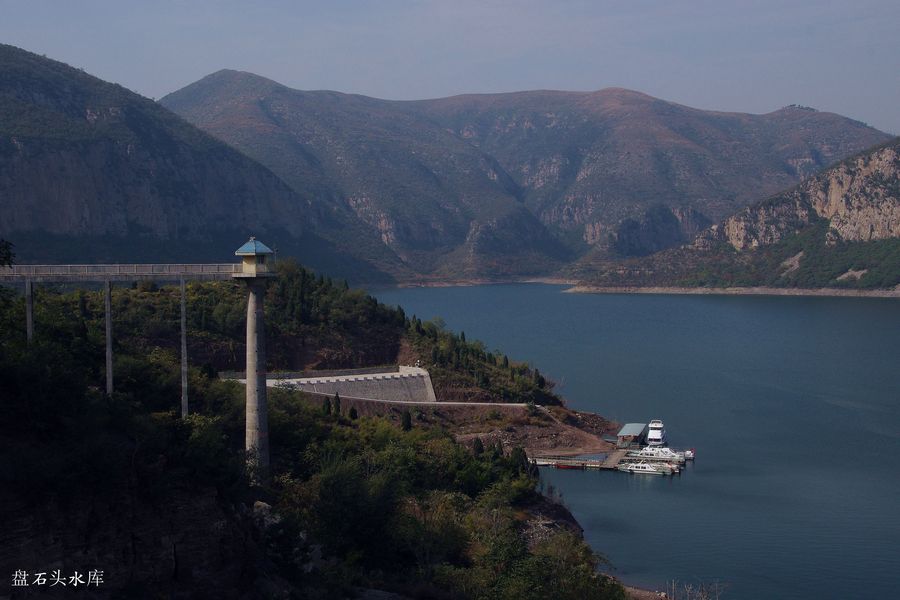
(793, 405)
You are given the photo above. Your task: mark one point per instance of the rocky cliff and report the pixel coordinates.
(859, 198)
(840, 228)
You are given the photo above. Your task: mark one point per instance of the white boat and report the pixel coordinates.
(689, 454)
(656, 433)
(658, 453)
(645, 468)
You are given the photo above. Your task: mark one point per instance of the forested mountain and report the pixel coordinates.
(445, 181)
(840, 228)
(90, 171)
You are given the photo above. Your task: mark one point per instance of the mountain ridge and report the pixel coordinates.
(91, 169)
(611, 171)
(441, 205)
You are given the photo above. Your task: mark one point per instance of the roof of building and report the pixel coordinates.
(253, 247)
(632, 429)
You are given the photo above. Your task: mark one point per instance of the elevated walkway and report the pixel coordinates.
(119, 272)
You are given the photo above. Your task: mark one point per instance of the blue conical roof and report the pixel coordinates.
(253, 247)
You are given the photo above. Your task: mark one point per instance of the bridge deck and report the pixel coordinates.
(118, 272)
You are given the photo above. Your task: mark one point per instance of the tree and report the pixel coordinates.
(6, 254)
(337, 404)
(353, 414)
(478, 447)
(326, 406)
(539, 379)
(406, 421)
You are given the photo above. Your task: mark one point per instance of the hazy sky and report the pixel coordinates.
(737, 56)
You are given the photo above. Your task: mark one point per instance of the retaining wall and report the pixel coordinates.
(407, 384)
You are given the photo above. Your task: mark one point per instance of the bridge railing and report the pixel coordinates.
(118, 272)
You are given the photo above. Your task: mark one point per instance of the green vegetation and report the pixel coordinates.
(476, 373)
(820, 265)
(6, 253)
(356, 502)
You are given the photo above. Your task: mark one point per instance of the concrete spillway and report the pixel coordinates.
(408, 384)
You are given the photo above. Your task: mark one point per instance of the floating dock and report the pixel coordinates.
(610, 462)
(573, 462)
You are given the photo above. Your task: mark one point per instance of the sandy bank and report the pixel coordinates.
(738, 291)
(470, 282)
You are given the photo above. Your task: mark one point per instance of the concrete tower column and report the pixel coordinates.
(257, 425)
(109, 352)
(184, 360)
(255, 271)
(29, 311)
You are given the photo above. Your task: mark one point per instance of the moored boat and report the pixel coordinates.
(645, 468)
(658, 453)
(656, 433)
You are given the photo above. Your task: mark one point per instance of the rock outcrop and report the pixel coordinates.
(838, 229)
(859, 198)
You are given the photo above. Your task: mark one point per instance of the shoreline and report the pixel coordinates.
(738, 291)
(579, 288)
(442, 283)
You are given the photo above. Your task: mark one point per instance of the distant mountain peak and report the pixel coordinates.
(614, 169)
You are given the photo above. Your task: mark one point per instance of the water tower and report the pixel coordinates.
(257, 267)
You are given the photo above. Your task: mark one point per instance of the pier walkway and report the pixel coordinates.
(573, 462)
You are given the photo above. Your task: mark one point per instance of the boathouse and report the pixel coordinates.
(631, 433)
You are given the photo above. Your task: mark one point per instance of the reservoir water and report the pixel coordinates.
(793, 406)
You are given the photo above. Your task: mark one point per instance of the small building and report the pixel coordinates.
(631, 433)
(255, 259)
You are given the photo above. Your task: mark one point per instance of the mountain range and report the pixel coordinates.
(493, 186)
(614, 171)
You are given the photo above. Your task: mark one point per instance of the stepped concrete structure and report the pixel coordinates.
(403, 384)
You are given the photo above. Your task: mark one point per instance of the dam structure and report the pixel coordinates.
(386, 384)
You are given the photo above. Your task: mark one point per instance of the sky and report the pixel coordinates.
(746, 56)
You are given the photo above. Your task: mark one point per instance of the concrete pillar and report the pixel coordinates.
(29, 311)
(257, 426)
(184, 360)
(109, 352)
